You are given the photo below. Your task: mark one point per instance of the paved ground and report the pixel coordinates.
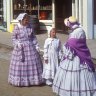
(8, 90)
(5, 54)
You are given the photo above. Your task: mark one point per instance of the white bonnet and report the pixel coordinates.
(71, 22)
(21, 16)
(49, 30)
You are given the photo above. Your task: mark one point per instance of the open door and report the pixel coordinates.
(63, 10)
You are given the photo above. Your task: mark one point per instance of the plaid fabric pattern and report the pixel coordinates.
(28, 72)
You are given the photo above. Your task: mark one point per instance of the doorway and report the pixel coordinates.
(63, 9)
(94, 19)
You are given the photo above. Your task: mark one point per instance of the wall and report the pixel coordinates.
(83, 11)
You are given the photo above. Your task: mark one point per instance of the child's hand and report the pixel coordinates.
(38, 49)
(46, 61)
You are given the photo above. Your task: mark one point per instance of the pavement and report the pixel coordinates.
(5, 88)
(8, 90)
(6, 41)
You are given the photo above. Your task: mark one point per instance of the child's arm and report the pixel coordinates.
(45, 56)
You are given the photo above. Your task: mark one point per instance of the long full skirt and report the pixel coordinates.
(74, 79)
(49, 69)
(27, 72)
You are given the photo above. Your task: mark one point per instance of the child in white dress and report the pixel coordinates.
(75, 75)
(52, 53)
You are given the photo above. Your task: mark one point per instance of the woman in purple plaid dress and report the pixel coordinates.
(26, 65)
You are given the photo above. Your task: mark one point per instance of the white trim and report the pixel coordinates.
(45, 21)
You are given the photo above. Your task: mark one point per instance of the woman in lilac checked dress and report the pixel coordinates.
(76, 73)
(26, 65)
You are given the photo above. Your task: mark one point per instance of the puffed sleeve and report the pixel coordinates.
(67, 53)
(15, 35)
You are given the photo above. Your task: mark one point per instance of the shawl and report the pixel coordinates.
(80, 49)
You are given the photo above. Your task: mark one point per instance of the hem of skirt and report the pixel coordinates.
(74, 70)
(23, 85)
(47, 77)
(73, 90)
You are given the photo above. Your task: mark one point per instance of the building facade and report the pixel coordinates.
(51, 13)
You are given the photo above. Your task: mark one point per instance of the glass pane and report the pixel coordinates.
(33, 7)
(18, 7)
(38, 8)
(45, 10)
(3, 14)
(28, 6)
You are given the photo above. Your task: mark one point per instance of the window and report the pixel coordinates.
(39, 8)
(1, 12)
(3, 15)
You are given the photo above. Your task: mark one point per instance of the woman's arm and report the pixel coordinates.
(35, 42)
(60, 50)
(15, 35)
(67, 53)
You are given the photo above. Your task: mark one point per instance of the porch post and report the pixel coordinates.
(90, 19)
(9, 13)
(73, 7)
(77, 9)
(53, 13)
(81, 11)
(4, 10)
(85, 17)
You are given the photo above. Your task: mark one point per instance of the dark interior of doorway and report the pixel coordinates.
(63, 9)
